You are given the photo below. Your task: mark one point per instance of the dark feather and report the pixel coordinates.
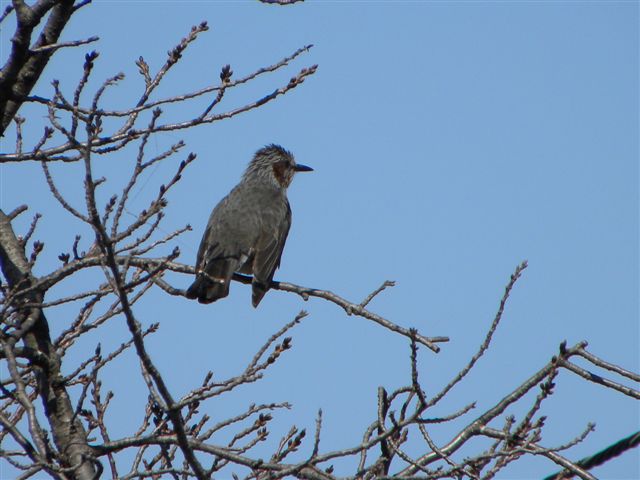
(215, 269)
(267, 258)
(213, 283)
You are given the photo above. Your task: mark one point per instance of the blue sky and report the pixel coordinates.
(451, 140)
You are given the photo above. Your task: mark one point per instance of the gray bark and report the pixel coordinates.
(69, 435)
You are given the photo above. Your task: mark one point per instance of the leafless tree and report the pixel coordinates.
(65, 432)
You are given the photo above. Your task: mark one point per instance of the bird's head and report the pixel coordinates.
(274, 164)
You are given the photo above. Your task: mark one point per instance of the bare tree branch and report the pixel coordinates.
(601, 457)
(281, 2)
(70, 436)
(55, 46)
(26, 63)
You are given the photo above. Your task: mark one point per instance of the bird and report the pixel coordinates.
(248, 228)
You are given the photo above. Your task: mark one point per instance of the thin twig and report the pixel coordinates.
(56, 46)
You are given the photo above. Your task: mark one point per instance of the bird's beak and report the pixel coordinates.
(303, 168)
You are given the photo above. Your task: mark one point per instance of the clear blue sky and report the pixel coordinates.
(451, 140)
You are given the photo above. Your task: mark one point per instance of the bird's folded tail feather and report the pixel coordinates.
(258, 290)
(207, 289)
(212, 282)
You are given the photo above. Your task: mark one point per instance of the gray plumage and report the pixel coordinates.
(247, 230)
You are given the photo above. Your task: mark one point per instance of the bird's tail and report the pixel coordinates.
(207, 289)
(259, 289)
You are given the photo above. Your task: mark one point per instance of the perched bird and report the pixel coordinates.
(248, 228)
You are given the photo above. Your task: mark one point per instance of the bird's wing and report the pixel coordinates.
(209, 246)
(269, 251)
(210, 249)
(218, 255)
